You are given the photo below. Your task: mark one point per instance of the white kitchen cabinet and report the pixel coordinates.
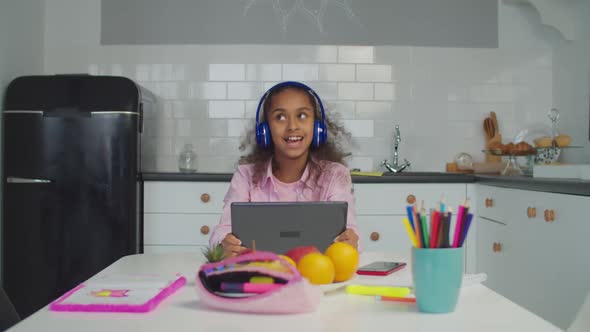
(493, 245)
(383, 233)
(543, 264)
(179, 216)
(392, 198)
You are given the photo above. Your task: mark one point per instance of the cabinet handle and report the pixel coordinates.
(411, 199)
(531, 212)
(549, 215)
(497, 247)
(489, 202)
(205, 198)
(375, 236)
(204, 229)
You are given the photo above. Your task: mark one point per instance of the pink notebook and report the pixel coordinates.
(119, 293)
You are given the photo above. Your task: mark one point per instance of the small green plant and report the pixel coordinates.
(213, 254)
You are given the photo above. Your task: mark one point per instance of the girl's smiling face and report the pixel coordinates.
(290, 118)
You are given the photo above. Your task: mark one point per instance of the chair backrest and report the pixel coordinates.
(582, 321)
(8, 315)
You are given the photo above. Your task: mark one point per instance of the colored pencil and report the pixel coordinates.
(410, 231)
(425, 230)
(458, 223)
(418, 226)
(466, 228)
(434, 229)
(410, 213)
(445, 232)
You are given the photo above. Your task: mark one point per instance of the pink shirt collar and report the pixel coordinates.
(268, 176)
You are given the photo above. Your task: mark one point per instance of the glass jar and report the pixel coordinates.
(187, 160)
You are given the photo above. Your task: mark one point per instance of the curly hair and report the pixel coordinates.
(331, 150)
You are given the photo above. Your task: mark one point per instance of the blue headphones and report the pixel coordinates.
(320, 132)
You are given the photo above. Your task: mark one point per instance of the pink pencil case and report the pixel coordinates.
(290, 292)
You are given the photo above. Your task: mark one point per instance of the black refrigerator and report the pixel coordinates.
(72, 193)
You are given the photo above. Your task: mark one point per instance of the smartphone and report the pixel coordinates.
(380, 268)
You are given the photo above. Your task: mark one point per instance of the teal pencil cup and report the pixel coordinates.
(437, 275)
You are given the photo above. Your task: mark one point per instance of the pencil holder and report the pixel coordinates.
(437, 275)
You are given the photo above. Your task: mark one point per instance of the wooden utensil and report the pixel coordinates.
(491, 135)
(495, 123)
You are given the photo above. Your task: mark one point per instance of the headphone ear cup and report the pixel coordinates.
(320, 134)
(263, 135)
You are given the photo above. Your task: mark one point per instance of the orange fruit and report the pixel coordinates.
(317, 268)
(345, 258)
(288, 259)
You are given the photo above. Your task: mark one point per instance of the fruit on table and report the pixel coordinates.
(288, 259)
(317, 268)
(345, 259)
(298, 252)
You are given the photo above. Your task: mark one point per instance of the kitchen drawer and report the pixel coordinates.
(184, 197)
(493, 250)
(384, 234)
(392, 198)
(492, 203)
(152, 249)
(178, 229)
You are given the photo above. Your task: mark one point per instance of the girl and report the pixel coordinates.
(295, 158)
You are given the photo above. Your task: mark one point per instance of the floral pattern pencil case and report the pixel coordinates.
(257, 282)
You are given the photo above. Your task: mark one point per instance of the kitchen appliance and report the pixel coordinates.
(72, 193)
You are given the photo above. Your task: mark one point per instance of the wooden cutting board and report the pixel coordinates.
(492, 135)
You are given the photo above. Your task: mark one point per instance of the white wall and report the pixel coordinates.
(21, 43)
(439, 96)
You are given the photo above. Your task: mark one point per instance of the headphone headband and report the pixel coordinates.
(290, 84)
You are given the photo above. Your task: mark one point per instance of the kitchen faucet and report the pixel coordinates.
(396, 168)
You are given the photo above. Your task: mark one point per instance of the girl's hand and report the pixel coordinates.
(232, 246)
(349, 236)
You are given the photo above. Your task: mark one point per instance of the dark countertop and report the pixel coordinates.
(562, 186)
(417, 177)
(551, 185)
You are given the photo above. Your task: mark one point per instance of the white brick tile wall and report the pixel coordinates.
(207, 90)
(239, 127)
(373, 110)
(243, 90)
(208, 95)
(300, 72)
(360, 128)
(385, 91)
(227, 72)
(355, 91)
(226, 109)
(373, 73)
(263, 72)
(356, 54)
(337, 72)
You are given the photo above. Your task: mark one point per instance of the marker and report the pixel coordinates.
(248, 287)
(396, 299)
(378, 290)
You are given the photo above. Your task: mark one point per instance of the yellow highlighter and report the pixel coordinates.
(378, 290)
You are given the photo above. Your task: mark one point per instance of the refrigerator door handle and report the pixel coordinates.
(14, 179)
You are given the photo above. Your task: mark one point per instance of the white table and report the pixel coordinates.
(479, 308)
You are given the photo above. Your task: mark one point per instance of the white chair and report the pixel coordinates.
(582, 321)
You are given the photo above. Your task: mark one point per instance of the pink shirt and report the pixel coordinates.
(333, 184)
